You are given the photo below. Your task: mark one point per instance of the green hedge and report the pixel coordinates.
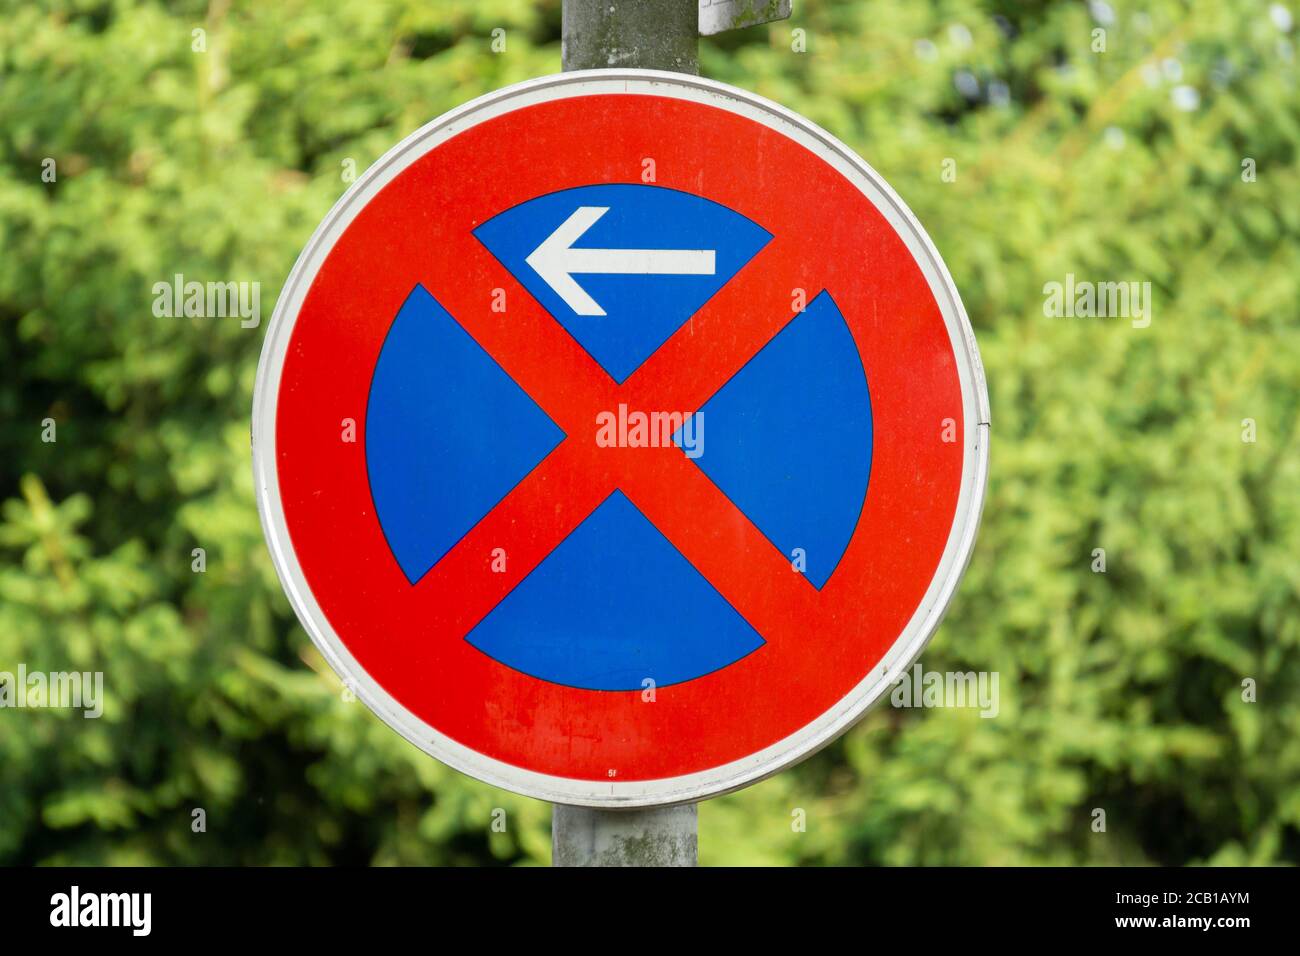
(1120, 691)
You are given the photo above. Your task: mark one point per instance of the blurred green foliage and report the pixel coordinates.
(1120, 690)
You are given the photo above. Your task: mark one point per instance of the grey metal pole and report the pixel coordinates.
(649, 34)
(652, 35)
(665, 836)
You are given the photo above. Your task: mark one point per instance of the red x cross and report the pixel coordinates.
(677, 497)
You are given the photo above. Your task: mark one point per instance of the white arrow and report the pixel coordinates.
(556, 261)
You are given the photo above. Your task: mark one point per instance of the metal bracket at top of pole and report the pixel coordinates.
(719, 16)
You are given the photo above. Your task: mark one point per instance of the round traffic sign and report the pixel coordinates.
(620, 438)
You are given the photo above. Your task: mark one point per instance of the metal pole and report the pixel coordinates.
(652, 35)
(665, 836)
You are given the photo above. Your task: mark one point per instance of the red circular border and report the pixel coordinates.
(417, 230)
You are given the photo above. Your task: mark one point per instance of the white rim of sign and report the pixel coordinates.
(905, 649)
